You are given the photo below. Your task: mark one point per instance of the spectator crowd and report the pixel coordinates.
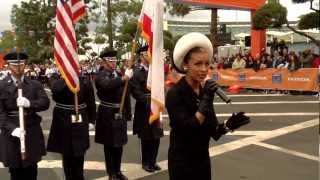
(279, 57)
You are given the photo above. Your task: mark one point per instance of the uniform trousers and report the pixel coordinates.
(30, 173)
(149, 151)
(73, 167)
(113, 157)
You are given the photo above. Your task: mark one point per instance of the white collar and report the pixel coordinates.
(15, 80)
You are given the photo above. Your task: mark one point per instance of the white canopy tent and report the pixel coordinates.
(288, 36)
(292, 37)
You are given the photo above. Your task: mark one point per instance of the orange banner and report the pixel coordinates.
(2, 62)
(236, 4)
(305, 79)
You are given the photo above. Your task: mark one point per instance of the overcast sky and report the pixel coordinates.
(294, 11)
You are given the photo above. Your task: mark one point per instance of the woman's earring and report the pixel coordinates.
(185, 68)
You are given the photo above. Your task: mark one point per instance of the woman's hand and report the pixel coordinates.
(206, 103)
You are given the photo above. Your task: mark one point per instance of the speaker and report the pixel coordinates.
(247, 41)
(223, 28)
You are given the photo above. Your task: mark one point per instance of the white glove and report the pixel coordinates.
(129, 73)
(16, 132)
(23, 102)
(91, 127)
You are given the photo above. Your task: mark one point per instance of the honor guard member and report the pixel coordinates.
(4, 72)
(193, 121)
(69, 136)
(149, 134)
(111, 125)
(33, 100)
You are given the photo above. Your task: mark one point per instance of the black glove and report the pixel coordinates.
(237, 120)
(206, 102)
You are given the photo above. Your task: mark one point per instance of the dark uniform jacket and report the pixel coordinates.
(109, 131)
(188, 156)
(66, 137)
(9, 120)
(138, 89)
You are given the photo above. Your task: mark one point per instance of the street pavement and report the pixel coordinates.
(280, 143)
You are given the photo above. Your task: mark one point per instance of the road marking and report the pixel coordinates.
(48, 90)
(256, 95)
(220, 149)
(288, 151)
(266, 114)
(263, 114)
(260, 102)
(268, 102)
(88, 165)
(230, 95)
(134, 171)
(167, 133)
(226, 115)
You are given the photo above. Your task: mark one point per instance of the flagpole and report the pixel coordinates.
(21, 113)
(132, 59)
(76, 108)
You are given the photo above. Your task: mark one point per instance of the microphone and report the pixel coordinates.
(223, 95)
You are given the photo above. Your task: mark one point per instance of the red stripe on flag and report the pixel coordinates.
(147, 31)
(78, 10)
(68, 10)
(78, 14)
(64, 69)
(147, 25)
(67, 52)
(66, 29)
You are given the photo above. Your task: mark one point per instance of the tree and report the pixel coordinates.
(33, 27)
(109, 22)
(117, 20)
(214, 29)
(309, 20)
(34, 24)
(7, 41)
(182, 10)
(274, 14)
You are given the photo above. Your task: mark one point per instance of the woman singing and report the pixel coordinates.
(190, 108)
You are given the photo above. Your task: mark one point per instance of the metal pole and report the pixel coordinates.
(133, 49)
(76, 108)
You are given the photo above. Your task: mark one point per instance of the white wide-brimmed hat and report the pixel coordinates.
(188, 42)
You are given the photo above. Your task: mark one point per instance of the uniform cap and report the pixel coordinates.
(109, 55)
(15, 57)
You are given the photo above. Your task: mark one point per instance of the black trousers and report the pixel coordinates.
(113, 157)
(29, 173)
(149, 151)
(73, 167)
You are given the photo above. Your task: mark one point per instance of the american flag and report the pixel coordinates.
(68, 12)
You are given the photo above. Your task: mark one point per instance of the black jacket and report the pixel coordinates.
(188, 156)
(138, 89)
(110, 89)
(9, 145)
(66, 137)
